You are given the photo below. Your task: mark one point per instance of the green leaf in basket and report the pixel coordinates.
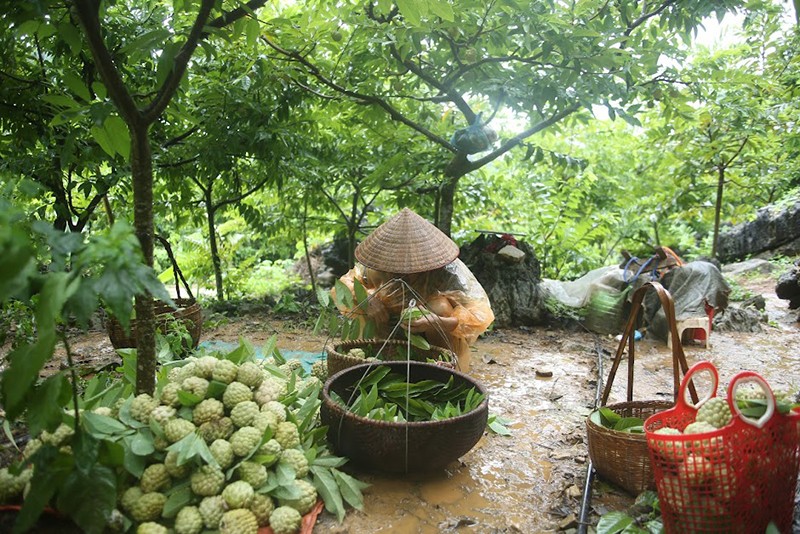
(627, 423)
(419, 341)
(608, 416)
(375, 376)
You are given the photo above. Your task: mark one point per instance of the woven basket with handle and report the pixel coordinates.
(186, 310)
(385, 350)
(623, 458)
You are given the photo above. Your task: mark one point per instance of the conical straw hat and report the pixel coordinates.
(405, 244)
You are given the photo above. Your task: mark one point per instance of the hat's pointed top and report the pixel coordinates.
(406, 243)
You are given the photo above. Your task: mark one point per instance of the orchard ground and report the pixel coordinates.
(531, 481)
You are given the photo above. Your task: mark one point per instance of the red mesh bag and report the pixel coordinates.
(736, 479)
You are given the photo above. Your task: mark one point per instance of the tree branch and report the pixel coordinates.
(360, 98)
(87, 11)
(179, 64)
(517, 139)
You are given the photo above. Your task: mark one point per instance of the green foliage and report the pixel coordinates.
(643, 517)
(738, 292)
(63, 277)
(559, 310)
(384, 395)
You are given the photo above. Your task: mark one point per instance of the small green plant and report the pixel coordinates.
(643, 517)
(16, 323)
(287, 303)
(559, 310)
(173, 337)
(738, 292)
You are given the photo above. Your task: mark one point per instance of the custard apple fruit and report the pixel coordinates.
(264, 420)
(162, 413)
(285, 520)
(104, 410)
(253, 473)
(715, 411)
(211, 509)
(207, 481)
(60, 436)
(268, 453)
(155, 478)
(250, 375)
(287, 435)
(148, 507)
(151, 527)
(320, 369)
(245, 440)
(239, 521)
(296, 460)
(225, 371)
(262, 506)
(270, 389)
(238, 494)
(222, 452)
(695, 470)
(169, 395)
(177, 429)
(130, 497)
(11, 485)
(196, 386)
(141, 407)
(277, 408)
(243, 413)
(204, 367)
(305, 502)
(671, 450)
(175, 470)
(188, 521)
(207, 410)
(235, 393)
(218, 429)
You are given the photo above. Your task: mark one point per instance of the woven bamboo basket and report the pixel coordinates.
(385, 350)
(623, 458)
(188, 311)
(402, 447)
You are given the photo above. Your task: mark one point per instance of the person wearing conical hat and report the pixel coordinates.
(407, 261)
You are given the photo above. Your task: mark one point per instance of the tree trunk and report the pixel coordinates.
(447, 204)
(311, 275)
(718, 209)
(212, 243)
(142, 173)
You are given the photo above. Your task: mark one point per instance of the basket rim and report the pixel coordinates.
(336, 347)
(337, 408)
(594, 427)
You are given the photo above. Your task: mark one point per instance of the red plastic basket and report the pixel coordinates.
(736, 479)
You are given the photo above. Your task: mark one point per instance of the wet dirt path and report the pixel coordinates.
(532, 481)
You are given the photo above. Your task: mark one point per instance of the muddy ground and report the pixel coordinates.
(533, 480)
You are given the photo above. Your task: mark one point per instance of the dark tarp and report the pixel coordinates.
(692, 286)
